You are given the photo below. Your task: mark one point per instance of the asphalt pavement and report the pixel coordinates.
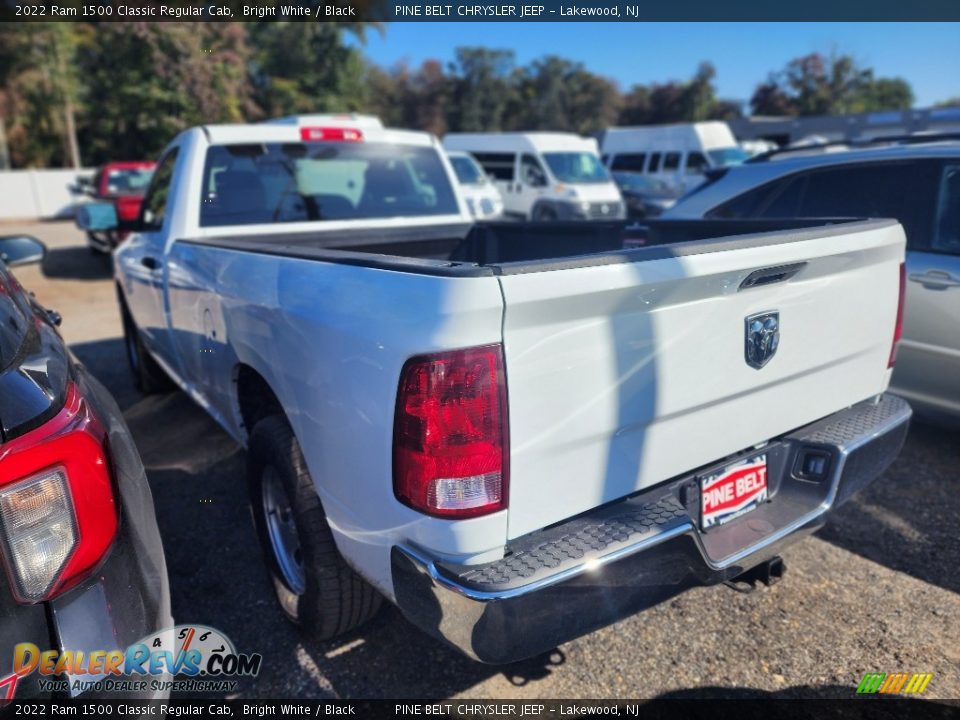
(877, 590)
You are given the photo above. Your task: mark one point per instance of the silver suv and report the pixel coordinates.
(914, 179)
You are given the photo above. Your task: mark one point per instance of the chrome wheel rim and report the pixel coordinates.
(282, 531)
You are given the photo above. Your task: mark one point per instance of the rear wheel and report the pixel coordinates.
(316, 588)
(148, 376)
(545, 214)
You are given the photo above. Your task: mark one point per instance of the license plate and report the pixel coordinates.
(732, 491)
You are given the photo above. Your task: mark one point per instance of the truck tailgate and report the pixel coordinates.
(625, 374)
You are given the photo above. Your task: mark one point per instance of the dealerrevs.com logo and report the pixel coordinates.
(187, 658)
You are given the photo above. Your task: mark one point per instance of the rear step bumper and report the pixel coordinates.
(562, 582)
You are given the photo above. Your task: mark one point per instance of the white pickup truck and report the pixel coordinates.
(516, 432)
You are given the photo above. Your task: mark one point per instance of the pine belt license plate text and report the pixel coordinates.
(732, 491)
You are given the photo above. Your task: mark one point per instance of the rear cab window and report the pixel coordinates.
(270, 183)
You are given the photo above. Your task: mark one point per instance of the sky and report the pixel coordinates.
(925, 54)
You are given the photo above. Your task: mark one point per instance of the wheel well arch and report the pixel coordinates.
(254, 396)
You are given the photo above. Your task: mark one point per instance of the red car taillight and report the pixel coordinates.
(898, 329)
(58, 516)
(450, 433)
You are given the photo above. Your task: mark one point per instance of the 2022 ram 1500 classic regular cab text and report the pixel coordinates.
(515, 432)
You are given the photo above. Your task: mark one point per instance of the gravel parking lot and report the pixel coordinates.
(877, 590)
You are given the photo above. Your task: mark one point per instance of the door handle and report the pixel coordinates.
(151, 263)
(935, 279)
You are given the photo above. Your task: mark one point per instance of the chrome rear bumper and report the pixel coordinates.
(562, 582)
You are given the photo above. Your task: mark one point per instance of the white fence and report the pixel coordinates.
(30, 194)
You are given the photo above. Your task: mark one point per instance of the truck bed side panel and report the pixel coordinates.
(330, 340)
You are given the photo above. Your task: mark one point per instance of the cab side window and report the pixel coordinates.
(531, 172)
(498, 165)
(696, 164)
(629, 162)
(762, 201)
(155, 203)
(904, 191)
(947, 237)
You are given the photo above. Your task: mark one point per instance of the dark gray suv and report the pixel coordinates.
(915, 180)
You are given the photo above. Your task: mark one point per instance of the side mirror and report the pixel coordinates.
(97, 217)
(21, 250)
(82, 186)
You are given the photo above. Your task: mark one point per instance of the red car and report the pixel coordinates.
(124, 184)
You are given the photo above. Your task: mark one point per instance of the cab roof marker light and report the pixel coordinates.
(328, 134)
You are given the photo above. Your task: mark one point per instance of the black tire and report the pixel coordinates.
(545, 214)
(332, 599)
(148, 376)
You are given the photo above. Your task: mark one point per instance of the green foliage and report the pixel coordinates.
(481, 88)
(129, 87)
(816, 85)
(689, 101)
(38, 84)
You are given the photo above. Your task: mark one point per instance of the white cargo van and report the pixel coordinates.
(677, 154)
(481, 195)
(544, 176)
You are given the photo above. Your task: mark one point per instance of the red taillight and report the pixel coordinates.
(898, 329)
(58, 517)
(317, 134)
(450, 433)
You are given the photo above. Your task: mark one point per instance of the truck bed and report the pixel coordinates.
(507, 248)
(624, 346)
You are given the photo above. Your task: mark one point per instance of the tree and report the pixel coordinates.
(173, 76)
(690, 101)
(949, 102)
(817, 85)
(887, 94)
(553, 93)
(402, 98)
(305, 67)
(481, 89)
(39, 92)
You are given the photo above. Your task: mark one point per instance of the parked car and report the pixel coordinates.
(915, 179)
(517, 432)
(123, 185)
(645, 196)
(482, 197)
(78, 538)
(679, 155)
(544, 176)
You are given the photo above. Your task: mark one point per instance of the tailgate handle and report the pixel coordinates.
(768, 276)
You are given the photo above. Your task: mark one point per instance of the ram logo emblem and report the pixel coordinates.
(762, 338)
